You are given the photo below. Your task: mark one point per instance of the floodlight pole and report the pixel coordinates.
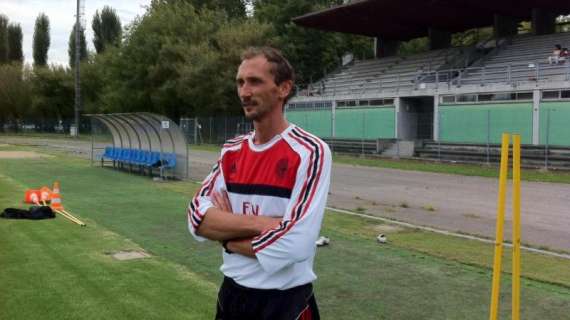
(77, 52)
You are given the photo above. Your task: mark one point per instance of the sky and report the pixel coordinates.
(61, 14)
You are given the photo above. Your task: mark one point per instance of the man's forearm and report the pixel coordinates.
(221, 225)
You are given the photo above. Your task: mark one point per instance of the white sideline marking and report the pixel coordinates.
(448, 233)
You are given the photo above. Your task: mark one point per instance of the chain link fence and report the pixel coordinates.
(55, 126)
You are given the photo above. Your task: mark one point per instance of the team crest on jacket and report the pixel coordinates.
(282, 166)
(233, 167)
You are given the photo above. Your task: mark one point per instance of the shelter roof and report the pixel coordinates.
(404, 20)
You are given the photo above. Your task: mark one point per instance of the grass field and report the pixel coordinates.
(53, 269)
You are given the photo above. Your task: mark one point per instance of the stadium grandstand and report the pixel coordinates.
(457, 96)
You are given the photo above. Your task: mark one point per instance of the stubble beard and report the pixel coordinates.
(256, 113)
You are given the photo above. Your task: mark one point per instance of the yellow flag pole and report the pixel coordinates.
(499, 231)
(74, 217)
(66, 216)
(516, 227)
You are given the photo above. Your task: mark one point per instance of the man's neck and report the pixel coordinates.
(269, 127)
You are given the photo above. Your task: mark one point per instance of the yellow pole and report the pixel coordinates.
(516, 227)
(66, 216)
(499, 231)
(74, 217)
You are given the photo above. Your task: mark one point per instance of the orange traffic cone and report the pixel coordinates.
(57, 206)
(45, 194)
(32, 196)
(55, 197)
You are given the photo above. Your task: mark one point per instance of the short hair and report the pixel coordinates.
(281, 68)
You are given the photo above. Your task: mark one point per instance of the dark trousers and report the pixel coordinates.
(236, 302)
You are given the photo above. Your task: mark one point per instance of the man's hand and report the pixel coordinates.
(241, 246)
(222, 201)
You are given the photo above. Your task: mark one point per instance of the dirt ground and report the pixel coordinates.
(450, 202)
(21, 155)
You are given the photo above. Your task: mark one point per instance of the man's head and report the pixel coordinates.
(264, 82)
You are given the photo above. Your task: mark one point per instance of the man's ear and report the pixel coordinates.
(285, 89)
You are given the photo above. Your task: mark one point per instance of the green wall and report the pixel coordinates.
(365, 123)
(559, 127)
(468, 122)
(355, 123)
(318, 122)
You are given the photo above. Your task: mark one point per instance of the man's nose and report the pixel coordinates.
(244, 91)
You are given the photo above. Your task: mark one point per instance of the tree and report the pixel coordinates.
(15, 43)
(82, 46)
(15, 92)
(311, 52)
(53, 93)
(4, 45)
(175, 60)
(106, 29)
(41, 41)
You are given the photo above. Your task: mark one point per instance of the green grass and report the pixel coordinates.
(453, 168)
(54, 270)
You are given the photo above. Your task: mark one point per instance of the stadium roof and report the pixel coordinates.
(404, 20)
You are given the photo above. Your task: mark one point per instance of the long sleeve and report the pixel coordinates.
(201, 201)
(294, 240)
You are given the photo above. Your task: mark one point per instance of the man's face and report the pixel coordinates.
(257, 90)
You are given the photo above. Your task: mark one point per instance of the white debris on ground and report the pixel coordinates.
(322, 241)
(382, 238)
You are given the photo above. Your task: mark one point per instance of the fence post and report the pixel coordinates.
(398, 84)
(363, 132)
(537, 72)
(438, 134)
(333, 119)
(437, 79)
(196, 130)
(92, 141)
(488, 135)
(225, 128)
(547, 139)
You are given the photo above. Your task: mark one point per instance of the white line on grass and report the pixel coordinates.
(448, 233)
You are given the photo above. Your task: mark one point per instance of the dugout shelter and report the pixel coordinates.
(142, 140)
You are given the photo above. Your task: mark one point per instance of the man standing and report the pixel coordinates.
(264, 201)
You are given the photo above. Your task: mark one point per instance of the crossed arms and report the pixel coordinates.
(219, 223)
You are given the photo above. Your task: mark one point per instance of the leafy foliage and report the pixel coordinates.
(106, 29)
(15, 37)
(53, 92)
(4, 46)
(312, 53)
(181, 56)
(41, 41)
(15, 92)
(82, 46)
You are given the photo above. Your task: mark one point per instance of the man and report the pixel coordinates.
(264, 201)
